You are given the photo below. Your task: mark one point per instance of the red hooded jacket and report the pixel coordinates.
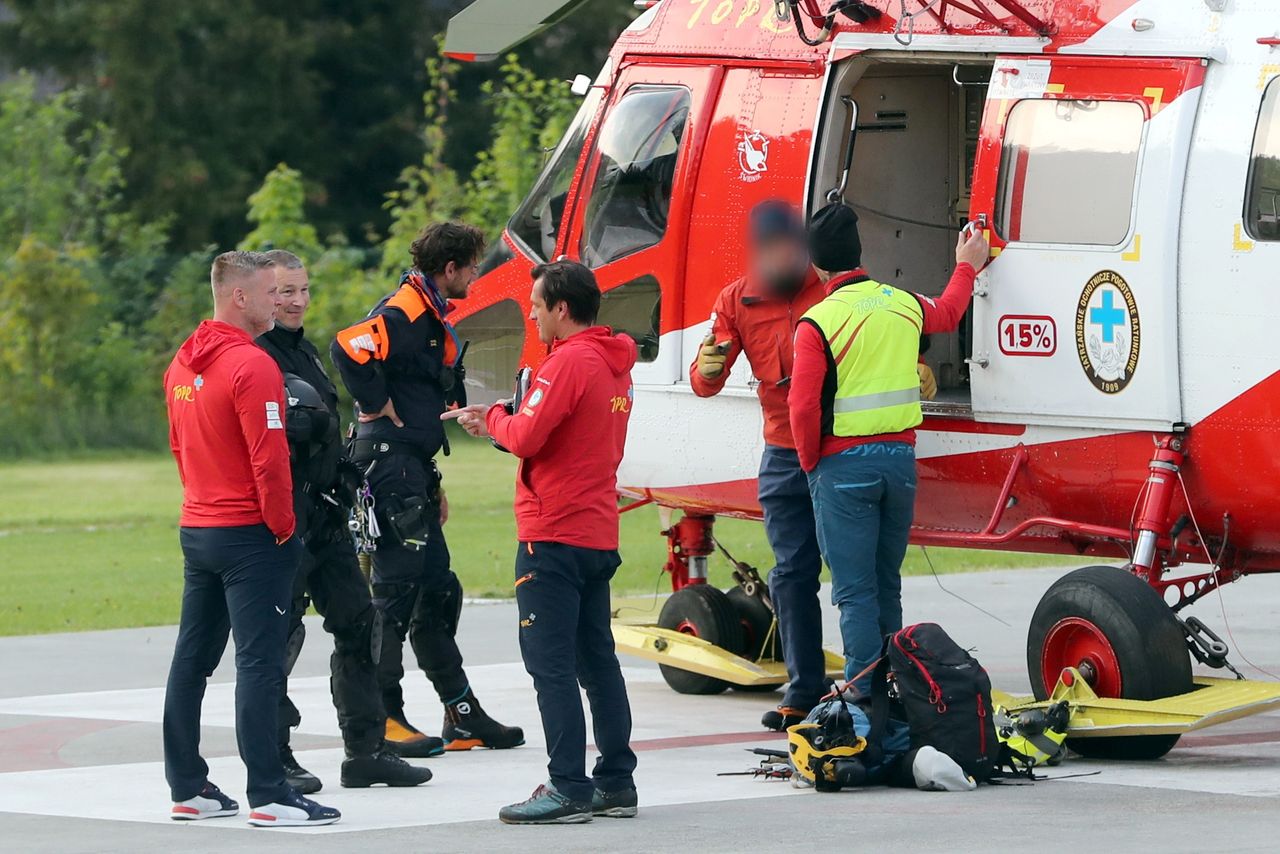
(569, 435)
(225, 397)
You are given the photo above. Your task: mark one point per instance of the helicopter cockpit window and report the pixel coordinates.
(635, 308)
(1068, 170)
(537, 222)
(1262, 204)
(496, 336)
(631, 195)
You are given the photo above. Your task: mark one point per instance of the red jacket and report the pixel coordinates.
(569, 435)
(811, 399)
(225, 397)
(762, 326)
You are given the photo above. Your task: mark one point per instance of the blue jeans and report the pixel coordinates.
(566, 640)
(794, 582)
(237, 581)
(864, 500)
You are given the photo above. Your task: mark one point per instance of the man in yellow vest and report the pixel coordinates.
(855, 404)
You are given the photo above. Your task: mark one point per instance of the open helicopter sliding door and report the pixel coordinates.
(1079, 181)
(630, 219)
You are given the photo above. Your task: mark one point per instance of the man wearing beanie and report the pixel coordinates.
(756, 315)
(854, 404)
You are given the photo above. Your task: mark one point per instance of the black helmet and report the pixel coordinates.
(301, 394)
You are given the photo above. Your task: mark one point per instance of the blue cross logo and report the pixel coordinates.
(1108, 317)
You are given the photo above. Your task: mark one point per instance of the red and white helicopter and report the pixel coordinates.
(1113, 392)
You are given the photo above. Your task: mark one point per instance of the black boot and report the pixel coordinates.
(299, 779)
(381, 766)
(782, 717)
(466, 726)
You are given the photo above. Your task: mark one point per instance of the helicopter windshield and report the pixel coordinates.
(631, 194)
(537, 221)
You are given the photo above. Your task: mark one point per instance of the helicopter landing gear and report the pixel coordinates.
(740, 621)
(1114, 628)
(700, 611)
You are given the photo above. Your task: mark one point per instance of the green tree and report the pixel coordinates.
(276, 211)
(70, 309)
(59, 179)
(208, 94)
(427, 191)
(530, 115)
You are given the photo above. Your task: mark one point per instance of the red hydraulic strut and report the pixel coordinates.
(689, 542)
(1153, 516)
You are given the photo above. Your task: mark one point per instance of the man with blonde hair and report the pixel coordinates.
(225, 398)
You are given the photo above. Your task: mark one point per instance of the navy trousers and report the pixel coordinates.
(562, 593)
(237, 581)
(794, 582)
(864, 500)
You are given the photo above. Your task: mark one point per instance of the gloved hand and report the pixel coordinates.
(928, 384)
(712, 356)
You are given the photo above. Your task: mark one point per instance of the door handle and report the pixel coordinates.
(980, 362)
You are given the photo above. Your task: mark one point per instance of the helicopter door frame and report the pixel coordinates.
(665, 259)
(1082, 333)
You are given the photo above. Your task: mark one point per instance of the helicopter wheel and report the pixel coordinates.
(704, 612)
(758, 624)
(1116, 630)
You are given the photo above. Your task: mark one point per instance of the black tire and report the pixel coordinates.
(705, 612)
(757, 625)
(1130, 640)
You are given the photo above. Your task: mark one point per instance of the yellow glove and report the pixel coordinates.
(928, 385)
(712, 356)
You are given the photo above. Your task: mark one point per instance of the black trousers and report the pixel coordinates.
(329, 575)
(236, 580)
(418, 594)
(562, 593)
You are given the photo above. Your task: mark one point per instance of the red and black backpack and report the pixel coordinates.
(946, 695)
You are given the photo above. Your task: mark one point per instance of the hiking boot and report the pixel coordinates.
(466, 726)
(782, 717)
(210, 803)
(381, 766)
(614, 804)
(404, 739)
(546, 806)
(299, 779)
(293, 810)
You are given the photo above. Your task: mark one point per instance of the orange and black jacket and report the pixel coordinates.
(405, 351)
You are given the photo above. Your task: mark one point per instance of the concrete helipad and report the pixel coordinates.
(80, 757)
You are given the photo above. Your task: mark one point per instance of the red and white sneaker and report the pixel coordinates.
(293, 810)
(210, 803)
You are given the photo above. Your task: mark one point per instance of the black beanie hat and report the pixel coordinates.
(834, 244)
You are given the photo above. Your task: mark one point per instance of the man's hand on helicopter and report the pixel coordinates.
(928, 384)
(972, 248)
(471, 419)
(712, 356)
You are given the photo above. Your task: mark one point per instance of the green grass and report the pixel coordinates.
(92, 543)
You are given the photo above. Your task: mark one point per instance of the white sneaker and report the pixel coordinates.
(293, 810)
(210, 803)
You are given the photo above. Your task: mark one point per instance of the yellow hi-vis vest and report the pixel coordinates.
(873, 334)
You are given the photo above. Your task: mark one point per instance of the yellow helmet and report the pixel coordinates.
(824, 749)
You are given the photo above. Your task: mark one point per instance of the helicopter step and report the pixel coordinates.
(694, 665)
